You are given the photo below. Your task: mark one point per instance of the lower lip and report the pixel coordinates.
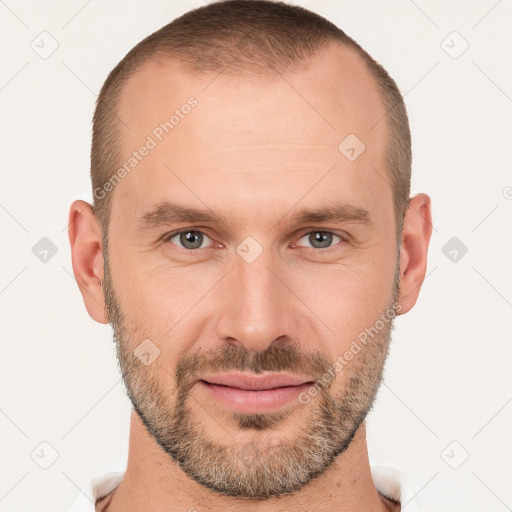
(254, 401)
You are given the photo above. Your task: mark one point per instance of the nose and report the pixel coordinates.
(255, 306)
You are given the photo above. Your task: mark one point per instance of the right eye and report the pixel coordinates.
(190, 239)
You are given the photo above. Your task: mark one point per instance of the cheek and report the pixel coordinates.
(142, 300)
(159, 303)
(349, 298)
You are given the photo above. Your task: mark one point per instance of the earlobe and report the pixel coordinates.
(416, 234)
(84, 234)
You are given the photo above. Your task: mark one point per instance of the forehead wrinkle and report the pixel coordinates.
(277, 146)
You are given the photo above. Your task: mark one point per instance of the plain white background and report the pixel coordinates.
(447, 394)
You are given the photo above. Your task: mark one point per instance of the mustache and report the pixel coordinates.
(279, 356)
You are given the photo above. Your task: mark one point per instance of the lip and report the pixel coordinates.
(253, 394)
(255, 382)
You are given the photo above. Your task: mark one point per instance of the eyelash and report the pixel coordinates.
(343, 239)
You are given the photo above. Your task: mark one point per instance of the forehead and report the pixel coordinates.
(258, 134)
(332, 90)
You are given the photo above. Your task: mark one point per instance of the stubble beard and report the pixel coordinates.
(255, 468)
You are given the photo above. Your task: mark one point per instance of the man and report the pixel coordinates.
(251, 240)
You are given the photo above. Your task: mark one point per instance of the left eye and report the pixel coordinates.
(320, 239)
(190, 239)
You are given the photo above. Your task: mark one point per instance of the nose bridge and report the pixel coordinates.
(256, 304)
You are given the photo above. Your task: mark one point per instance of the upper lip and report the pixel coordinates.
(255, 382)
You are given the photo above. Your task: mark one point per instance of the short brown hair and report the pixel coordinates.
(250, 35)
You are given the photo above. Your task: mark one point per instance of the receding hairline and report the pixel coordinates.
(257, 49)
(174, 63)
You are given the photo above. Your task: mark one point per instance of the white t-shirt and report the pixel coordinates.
(390, 482)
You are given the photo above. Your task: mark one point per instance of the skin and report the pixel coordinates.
(255, 151)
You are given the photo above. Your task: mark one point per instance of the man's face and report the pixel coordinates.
(264, 292)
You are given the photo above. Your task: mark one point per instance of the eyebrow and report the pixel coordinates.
(167, 212)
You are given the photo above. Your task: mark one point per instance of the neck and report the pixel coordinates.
(153, 481)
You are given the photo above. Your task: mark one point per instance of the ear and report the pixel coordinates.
(84, 234)
(413, 253)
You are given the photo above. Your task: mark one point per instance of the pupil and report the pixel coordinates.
(190, 240)
(322, 238)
